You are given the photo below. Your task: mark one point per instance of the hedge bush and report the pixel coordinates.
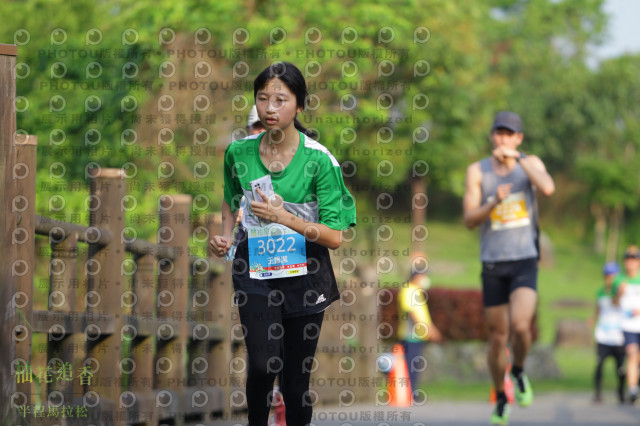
(458, 313)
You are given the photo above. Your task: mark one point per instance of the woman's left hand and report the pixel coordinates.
(272, 209)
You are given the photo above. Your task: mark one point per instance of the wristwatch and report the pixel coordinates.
(521, 157)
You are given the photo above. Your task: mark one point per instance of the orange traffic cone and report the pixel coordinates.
(277, 417)
(399, 386)
(508, 384)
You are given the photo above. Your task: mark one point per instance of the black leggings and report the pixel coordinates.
(278, 347)
(617, 352)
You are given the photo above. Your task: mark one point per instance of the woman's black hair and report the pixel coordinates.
(291, 76)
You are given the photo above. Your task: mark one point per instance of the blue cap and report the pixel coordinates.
(610, 268)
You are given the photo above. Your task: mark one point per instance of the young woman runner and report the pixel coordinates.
(297, 207)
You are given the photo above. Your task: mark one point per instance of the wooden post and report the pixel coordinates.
(173, 292)
(24, 175)
(8, 221)
(105, 280)
(143, 310)
(62, 274)
(199, 313)
(220, 289)
(367, 309)
(63, 283)
(143, 346)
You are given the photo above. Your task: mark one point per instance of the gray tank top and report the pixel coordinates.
(511, 233)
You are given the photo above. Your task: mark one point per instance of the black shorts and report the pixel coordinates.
(297, 296)
(500, 279)
(605, 351)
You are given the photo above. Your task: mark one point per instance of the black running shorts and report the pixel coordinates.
(297, 296)
(500, 279)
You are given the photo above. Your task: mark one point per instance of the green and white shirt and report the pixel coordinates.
(311, 185)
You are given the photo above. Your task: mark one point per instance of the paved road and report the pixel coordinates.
(549, 409)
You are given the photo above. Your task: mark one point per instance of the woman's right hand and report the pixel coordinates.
(220, 245)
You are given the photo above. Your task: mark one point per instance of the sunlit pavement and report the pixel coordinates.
(548, 409)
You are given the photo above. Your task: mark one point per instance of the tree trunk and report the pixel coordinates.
(600, 228)
(617, 217)
(419, 203)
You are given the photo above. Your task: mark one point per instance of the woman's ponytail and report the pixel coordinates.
(303, 129)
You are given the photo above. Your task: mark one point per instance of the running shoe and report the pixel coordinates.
(523, 391)
(498, 418)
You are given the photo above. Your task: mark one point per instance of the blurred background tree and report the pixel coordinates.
(404, 90)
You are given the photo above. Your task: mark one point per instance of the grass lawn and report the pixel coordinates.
(577, 366)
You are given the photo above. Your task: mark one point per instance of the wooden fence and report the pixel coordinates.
(160, 348)
(122, 347)
(134, 332)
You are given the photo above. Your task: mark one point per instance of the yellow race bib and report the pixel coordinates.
(510, 213)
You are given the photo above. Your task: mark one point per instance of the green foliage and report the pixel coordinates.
(396, 85)
(610, 182)
(606, 154)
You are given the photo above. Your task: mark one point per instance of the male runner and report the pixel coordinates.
(500, 198)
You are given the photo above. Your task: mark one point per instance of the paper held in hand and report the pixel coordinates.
(265, 185)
